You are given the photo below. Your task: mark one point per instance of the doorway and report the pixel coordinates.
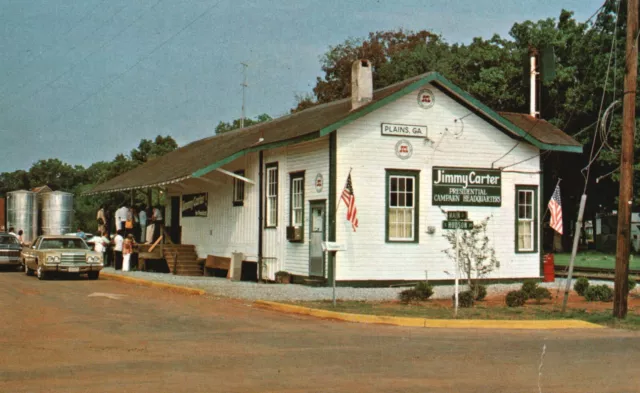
(317, 229)
(176, 230)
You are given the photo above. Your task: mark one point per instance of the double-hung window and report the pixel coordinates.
(297, 199)
(271, 195)
(402, 205)
(238, 189)
(526, 220)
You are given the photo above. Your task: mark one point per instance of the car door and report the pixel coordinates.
(30, 253)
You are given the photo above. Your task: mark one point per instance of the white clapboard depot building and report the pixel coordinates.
(414, 150)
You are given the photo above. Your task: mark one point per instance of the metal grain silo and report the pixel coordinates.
(22, 213)
(57, 213)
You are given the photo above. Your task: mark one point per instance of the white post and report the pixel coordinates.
(456, 288)
(532, 87)
(333, 260)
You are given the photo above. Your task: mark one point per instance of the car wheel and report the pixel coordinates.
(42, 275)
(93, 275)
(27, 271)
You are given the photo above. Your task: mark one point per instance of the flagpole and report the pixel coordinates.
(333, 260)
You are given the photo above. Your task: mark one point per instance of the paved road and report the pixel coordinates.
(58, 338)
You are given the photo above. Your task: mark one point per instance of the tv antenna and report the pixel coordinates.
(244, 86)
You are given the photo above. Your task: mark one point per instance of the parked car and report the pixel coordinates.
(9, 250)
(63, 254)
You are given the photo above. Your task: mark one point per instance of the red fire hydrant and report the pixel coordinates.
(549, 268)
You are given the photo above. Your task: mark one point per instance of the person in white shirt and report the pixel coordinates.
(121, 217)
(100, 245)
(118, 241)
(12, 232)
(157, 221)
(142, 217)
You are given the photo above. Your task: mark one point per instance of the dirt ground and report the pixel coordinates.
(76, 336)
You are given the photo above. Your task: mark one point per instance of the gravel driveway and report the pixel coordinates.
(293, 292)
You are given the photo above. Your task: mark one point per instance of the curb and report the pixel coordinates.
(154, 284)
(429, 323)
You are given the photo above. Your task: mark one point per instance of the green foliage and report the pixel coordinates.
(581, 285)
(472, 250)
(529, 288)
(541, 294)
(223, 127)
(598, 293)
(420, 292)
(516, 298)
(632, 284)
(465, 299)
(479, 291)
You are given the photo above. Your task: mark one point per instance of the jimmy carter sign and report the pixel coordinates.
(466, 187)
(194, 205)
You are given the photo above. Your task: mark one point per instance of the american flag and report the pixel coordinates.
(350, 201)
(555, 207)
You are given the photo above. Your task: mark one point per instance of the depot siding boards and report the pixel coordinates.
(457, 137)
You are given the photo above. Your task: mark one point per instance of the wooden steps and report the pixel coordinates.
(182, 259)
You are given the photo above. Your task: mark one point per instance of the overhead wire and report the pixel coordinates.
(47, 48)
(73, 66)
(143, 58)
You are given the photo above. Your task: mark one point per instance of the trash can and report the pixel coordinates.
(549, 268)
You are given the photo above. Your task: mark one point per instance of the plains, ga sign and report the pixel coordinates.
(466, 187)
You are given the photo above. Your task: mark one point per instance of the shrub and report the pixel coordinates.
(581, 285)
(516, 298)
(529, 289)
(541, 294)
(479, 291)
(421, 292)
(465, 299)
(407, 296)
(632, 284)
(598, 293)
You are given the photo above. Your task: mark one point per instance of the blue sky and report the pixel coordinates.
(85, 80)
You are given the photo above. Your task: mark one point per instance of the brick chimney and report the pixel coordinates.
(361, 83)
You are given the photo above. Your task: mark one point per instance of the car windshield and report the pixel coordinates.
(8, 240)
(62, 244)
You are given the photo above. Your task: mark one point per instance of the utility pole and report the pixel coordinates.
(244, 86)
(626, 163)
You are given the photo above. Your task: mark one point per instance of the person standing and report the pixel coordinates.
(100, 245)
(12, 231)
(127, 250)
(158, 223)
(20, 238)
(118, 243)
(107, 221)
(121, 217)
(101, 219)
(142, 217)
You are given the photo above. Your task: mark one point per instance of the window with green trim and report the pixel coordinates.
(402, 205)
(271, 195)
(526, 218)
(238, 189)
(297, 199)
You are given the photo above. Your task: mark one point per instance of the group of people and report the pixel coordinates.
(135, 224)
(18, 235)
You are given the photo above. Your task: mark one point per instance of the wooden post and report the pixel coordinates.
(626, 163)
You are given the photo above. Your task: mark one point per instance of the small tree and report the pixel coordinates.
(476, 257)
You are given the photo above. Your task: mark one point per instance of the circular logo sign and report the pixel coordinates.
(404, 150)
(426, 99)
(319, 182)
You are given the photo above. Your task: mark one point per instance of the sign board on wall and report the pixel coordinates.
(194, 205)
(466, 187)
(403, 130)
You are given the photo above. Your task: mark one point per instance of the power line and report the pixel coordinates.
(73, 66)
(78, 23)
(143, 58)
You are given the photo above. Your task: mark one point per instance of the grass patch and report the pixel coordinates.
(594, 259)
(437, 310)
